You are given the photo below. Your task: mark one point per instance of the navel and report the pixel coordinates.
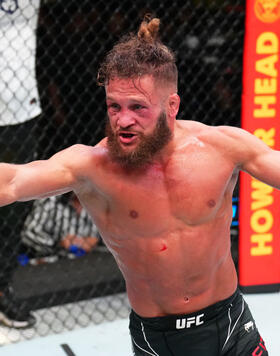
(186, 299)
(211, 203)
(133, 214)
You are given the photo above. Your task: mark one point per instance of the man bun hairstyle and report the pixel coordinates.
(149, 29)
(141, 54)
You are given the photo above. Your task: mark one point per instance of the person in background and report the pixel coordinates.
(57, 223)
(19, 111)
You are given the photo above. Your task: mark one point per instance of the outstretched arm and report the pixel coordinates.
(40, 179)
(253, 156)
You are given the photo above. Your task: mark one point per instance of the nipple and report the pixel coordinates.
(133, 214)
(211, 203)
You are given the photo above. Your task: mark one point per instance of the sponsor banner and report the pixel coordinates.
(259, 218)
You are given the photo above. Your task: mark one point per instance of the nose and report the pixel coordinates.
(125, 119)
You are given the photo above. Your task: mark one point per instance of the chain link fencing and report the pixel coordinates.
(63, 42)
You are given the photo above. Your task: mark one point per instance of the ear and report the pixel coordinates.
(173, 105)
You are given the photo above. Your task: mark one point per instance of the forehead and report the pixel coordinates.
(142, 88)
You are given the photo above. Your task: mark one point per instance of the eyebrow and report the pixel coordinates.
(131, 100)
(110, 98)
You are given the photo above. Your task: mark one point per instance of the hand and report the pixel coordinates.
(86, 243)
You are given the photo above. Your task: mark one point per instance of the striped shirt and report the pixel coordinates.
(50, 221)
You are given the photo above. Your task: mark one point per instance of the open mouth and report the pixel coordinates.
(127, 137)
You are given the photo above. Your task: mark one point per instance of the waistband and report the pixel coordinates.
(188, 321)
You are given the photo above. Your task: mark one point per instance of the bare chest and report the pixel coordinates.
(184, 193)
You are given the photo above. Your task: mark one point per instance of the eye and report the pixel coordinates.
(137, 107)
(114, 106)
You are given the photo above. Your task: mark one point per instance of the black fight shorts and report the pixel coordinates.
(226, 328)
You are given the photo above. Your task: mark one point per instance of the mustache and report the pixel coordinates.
(149, 144)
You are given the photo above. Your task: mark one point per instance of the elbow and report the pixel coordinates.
(6, 198)
(8, 186)
(9, 195)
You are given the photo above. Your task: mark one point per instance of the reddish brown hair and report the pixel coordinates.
(141, 54)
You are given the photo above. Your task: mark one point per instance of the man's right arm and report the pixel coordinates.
(40, 179)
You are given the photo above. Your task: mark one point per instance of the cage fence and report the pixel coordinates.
(60, 44)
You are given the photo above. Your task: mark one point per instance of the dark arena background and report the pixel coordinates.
(67, 285)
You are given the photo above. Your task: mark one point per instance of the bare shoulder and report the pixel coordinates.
(212, 132)
(81, 160)
(192, 126)
(192, 130)
(220, 135)
(234, 143)
(236, 138)
(80, 154)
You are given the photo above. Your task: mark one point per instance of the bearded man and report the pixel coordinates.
(159, 191)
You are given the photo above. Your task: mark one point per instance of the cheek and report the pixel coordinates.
(112, 119)
(149, 129)
(148, 121)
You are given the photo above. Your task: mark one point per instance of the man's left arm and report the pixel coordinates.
(253, 156)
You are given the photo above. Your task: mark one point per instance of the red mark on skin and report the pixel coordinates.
(133, 214)
(211, 203)
(163, 248)
(186, 299)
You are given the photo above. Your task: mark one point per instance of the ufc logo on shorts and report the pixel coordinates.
(189, 322)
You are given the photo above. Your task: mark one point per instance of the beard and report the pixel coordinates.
(148, 146)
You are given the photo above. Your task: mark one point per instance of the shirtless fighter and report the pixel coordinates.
(160, 192)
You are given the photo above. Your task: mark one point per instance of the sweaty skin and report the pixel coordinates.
(168, 226)
(167, 223)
